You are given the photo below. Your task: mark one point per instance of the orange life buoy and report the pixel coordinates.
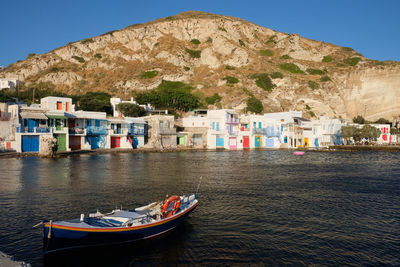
(171, 206)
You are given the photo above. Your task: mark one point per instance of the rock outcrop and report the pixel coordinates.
(201, 49)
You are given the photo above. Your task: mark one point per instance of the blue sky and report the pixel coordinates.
(369, 27)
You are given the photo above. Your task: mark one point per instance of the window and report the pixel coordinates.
(213, 125)
(217, 126)
(254, 124)
(67, 106)
(259, 124)
(59, 105)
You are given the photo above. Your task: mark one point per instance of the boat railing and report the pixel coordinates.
(137, 221)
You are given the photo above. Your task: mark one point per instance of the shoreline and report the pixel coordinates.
(343, 148)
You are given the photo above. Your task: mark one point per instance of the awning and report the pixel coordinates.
(61, 117)
(33, 115)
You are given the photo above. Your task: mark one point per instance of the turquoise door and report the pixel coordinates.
(220, 142)
(316, 142)
(257, 141)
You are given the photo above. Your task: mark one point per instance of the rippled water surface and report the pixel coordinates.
(256, 207)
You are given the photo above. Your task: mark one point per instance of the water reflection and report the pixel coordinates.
(256, 207)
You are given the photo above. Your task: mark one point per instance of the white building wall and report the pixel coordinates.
(50, 103)
(8, 83)
(217, 120)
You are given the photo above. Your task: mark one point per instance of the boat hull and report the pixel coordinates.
(62, 238)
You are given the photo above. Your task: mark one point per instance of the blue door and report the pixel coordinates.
(31, 125)
(30, 143)
(257, 141)
(94, 142)
(135, 142)
(220, 142)
(269, 142)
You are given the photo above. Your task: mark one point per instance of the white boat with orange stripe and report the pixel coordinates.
(118, 226)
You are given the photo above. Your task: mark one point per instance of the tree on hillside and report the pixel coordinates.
(95, 101)
(131, 110)
(254, 105)
(383, 121)
(359, 119)
(170, 95)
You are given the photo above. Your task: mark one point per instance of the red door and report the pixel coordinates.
(115, 142)
(246, 142)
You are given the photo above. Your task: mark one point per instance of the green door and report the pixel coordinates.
(181, 140)
(61, 142)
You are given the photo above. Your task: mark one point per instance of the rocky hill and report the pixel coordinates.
(224, 55)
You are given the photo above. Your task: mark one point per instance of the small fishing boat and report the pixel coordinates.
(118, 226)
(298, 153)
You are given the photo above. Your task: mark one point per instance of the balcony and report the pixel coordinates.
(96, 130)
(259, 131)
(269, 131)
(234, 133)
(59, 129)
(167, 130)
(233, 121)
(32, 129)
(219, 131)
(136, 131)
(118, 131)
(74, 131)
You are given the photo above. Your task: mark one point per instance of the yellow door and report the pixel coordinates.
(306, 142)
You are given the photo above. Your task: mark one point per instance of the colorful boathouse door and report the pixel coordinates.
(94, 142)
(232, 142)
(306, 142)
(30, 143)
(220, 142)
(246, 142)
(115, 142)
(61, 142)
(257, 141)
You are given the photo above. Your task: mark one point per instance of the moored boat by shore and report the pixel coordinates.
(118, 226)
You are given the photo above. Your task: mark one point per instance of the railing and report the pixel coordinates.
(167, 131)
(59, 129)
(76, 131)
(259, 131)
(233, 133)
(233, 121)
(270, 132)
(215, 131)
(32, 129)
(118, 131)
(245, 129)
(96, 130)
(137, 132)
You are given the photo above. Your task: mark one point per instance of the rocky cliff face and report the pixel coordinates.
(202, 49)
